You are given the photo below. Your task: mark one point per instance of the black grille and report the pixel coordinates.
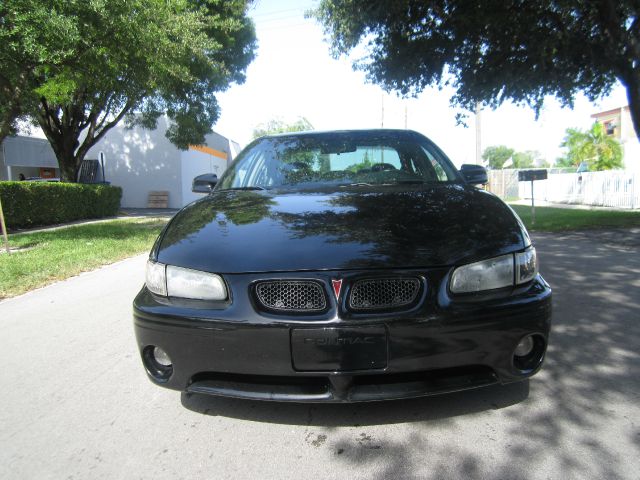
(384, 293)
(291, 296)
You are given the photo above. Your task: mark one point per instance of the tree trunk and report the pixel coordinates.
(63, 126)
(68, 169)
(633, 96)
(63, 144)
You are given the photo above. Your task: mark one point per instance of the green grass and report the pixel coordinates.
(58, 254)
(560, 219)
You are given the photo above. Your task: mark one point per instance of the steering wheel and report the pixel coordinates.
(380, 167)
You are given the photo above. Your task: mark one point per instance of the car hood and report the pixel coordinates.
(349, 228)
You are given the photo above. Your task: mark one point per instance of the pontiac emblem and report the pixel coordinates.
(337, 286)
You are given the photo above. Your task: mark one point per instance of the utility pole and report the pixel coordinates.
(478, 134)
(405, 116)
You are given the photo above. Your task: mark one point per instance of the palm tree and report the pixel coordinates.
(599, 150)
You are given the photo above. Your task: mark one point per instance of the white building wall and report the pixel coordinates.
(140, 161)
(194, 163)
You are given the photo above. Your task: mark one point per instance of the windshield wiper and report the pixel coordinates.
(359, 184)
(406, 182)
(254, 187)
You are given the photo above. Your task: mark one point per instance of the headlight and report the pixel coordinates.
(499, 272)
(485, 275)
(168, 280)
(156, 279)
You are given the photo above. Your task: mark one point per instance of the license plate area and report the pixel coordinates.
(339, 349)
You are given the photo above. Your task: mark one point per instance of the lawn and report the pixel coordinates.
(559, 219)
(46, 257)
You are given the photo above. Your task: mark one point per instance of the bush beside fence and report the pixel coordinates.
(30, 204)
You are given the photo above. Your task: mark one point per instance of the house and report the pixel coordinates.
(618, 124)
(140, 161)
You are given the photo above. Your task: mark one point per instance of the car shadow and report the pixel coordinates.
(361, 414)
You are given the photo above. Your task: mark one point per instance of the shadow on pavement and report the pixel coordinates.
(578, 421)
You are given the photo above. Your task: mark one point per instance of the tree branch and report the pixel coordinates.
(92, 137)
(49, 115)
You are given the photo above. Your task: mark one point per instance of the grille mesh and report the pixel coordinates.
(291, 295)
(383, 293)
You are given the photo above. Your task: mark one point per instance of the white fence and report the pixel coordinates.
(614, 188)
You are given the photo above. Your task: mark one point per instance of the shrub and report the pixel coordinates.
(29, 204)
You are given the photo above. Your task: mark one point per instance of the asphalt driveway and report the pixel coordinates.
(76, 403)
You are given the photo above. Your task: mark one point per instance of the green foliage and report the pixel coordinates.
(492, 51)
(138, 59)
(542, 163)
(496, 156)
(599, 150)
(277, 125)
(28, 204)
(34, 40)
(527, 159)
(563, 162)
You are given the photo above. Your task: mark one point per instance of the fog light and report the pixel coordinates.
(157, 362)
(528, 355)
(524, 348)
(161, 357)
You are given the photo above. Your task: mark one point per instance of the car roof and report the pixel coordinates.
(354, 132)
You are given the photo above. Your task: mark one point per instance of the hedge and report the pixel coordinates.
(30, 204)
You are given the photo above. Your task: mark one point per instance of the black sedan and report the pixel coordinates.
(342, 267)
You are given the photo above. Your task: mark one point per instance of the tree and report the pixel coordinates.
(496, 156)
(493, 51)
(137, 60)
(527, 159)
(278, 125)
(563, 162)
(599, 150)
(34, 42)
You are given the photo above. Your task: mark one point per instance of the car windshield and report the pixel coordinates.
(341, 158)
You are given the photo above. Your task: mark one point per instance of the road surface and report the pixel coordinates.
(76, 403)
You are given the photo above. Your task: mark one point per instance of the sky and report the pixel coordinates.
(294, 76)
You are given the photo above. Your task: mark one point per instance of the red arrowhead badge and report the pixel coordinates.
(337, 286)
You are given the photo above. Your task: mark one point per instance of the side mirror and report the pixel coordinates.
(474, 174)
(204, 183)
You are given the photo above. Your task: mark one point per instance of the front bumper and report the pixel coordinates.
(445, 345)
